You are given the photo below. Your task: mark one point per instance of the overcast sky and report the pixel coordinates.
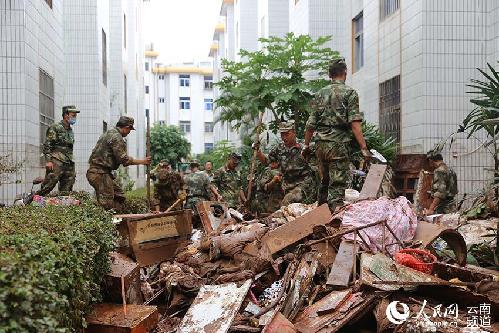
(181, 30)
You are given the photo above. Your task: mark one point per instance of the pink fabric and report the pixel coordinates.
(398, 213)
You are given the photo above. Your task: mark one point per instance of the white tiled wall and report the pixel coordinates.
(30, 38)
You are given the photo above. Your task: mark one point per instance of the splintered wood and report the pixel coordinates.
(341, 272)
(373, 182)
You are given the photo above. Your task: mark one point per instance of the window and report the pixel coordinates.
(161, 99)
(147, 89)
(124, 31)
(389, 108)
(104, 126)
(104, 58)
(184, 80)
(161, 77)
(208, 104)
(147, 66)
(147, 115)
(358, 42)
(208, 146)
(208, 82)
(161, 123)
(46, 104)
(125, 93)
(185, 126)
(208, 127)
(387, 8)
(49, 2)
(185, 103)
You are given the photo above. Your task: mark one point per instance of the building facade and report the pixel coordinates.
(181, 95)
(59, 53)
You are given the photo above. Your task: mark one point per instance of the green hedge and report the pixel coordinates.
(52, 261)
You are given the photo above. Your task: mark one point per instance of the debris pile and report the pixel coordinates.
(303, 269)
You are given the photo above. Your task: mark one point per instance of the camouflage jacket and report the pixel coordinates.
(268, 200)
(110, 152)
(59, 143)
(229, 185)
(197, 184)
(168, 183)
(444, 185)
(210, 174)
(294, 168)
(334, 108)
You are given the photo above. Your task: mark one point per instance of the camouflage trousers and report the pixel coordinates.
(304, 191)
(163, 198)
(62, 173)
(266, 203)
(334, 171)
(108, 192)
(447, 206)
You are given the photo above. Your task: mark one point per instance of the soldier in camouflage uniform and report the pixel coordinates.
(208, 170)
(269, 193)
(298, 179)
(228, 181)
(58, 151)
(167, 185)
(198, 187)
(334, 118)
(109, 153)
(444, 186)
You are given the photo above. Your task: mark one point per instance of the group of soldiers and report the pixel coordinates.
(335, 123)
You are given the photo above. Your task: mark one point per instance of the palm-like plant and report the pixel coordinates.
(485, 116)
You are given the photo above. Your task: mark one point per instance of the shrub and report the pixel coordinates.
(52, 262)
(136, 201)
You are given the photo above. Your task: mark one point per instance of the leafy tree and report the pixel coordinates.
(279, 78)
(218, 156)
(167, 142)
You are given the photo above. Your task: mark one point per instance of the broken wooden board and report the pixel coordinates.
(334, 311)
(341, 272)
(373, 182)
(292, 232)
(379, 267)
(327, 253)
(210, 219)
(156, 237)
(422, 197)
(123, 266)
(469, 273)
(279, 324)
(427, 233)
(110, 318)
(214, 308)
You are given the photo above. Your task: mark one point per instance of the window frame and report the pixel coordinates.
(187, 101)
(184, 126)
(387, 8)
(211, 145)
(358, 42)
(104, 57)
(208, 82)
(184, 80)
(161, 99)
(208, 127)
(146, 89)
(390, 111)
(208, 104)
(147, 66)
(46, 106)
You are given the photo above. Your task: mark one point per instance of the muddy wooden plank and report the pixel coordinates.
(341, 272)
(110, 318)
(292, 232)
(212, 214)
(373, 181)
(214, 308)
(279, 324)
(123, 266)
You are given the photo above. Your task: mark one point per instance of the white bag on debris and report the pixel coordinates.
(398, 213)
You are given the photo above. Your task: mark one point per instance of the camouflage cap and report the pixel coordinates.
(235, 156)
(434, 155)
(337, 64)
(286, 126)
(194, 162)
(125, 121)
(69, 108)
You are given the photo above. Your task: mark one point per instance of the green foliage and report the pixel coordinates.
(279, 78)
(376, 140)
(52, 262)
(219, 155)
(484, 117)
(167, 142)
(136, 201)
(124, 179)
